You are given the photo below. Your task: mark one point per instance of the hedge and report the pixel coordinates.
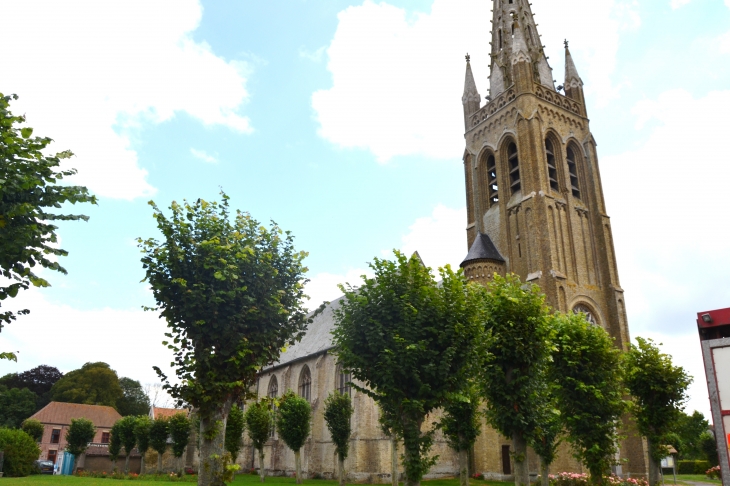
(692, 467)
(21, 451)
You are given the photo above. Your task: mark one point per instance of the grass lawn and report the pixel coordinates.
(243, 479)
(700, 478)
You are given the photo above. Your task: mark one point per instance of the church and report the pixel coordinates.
(535, 208)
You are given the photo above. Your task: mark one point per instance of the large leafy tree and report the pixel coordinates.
(688, 432)
(408, 339)
(128, 436)
(234, 432)
(79, 434)
(92, 384)
(16, 405)
(511, 381)
(461, 426)
(179, 427)
(29, 197)
(659, 390)
(293, 419)
(33, 428)
(259, 418)
(231, 291)
(587, 372)
(338, 417)
(134, 401)
(39, 380)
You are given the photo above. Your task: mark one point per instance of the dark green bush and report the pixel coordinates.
(692, 467)
(21, 451)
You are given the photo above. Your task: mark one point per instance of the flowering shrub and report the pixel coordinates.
(477, 476)
(714, 473)
(575, 479)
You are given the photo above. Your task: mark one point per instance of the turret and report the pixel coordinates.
(471, 99)
(483, 261)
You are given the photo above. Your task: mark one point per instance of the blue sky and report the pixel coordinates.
(342, 122)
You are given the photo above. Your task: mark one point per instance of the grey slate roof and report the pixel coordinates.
(483, 249)
(317, 339)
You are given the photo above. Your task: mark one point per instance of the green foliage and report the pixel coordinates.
(8, 356)
(293, 419)
(79, 434)
(461, 419)
(692, 467)
(39, 380)
(28, 190)
(127, 433)
(337, 415)
(142, 427)
(408, 339)
(115, 442)
(688, 432)
(517, 318)
(179, 427)
(20, 451)
(159, 432)
(16, 405)
(659, 390)
(708, 443)
(587, 373)
(134, 401)
(92, 384)
(33, 428)
(234, 432)
(259, 419)
(231, 292)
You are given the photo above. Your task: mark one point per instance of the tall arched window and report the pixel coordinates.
(305, 384)
(552, 165)
(514, 168)
(342, 380)
(573, 170)
(488, 191)
(273, 387)
(493, 187)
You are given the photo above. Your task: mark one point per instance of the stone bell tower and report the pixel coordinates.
(533, 186)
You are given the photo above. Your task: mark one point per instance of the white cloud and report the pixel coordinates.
(383, 61)
(679, 3)
(315, 56)
(724, 41)
(89, 73)
(202, 155)
(323, 287)
(439, 239)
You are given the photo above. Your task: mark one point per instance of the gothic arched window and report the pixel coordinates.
(305, 384)
(514, 168)
(342, 380)
(584, 309)
(273, 387)
(552, 165)
(573, 170)
(492, 186)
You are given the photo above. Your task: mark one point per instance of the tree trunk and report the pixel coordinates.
(394, 460)
(126, 463)
(544, 473)
(298, 465)
(141, 465)
(181, 466)
(159, 462)
(464, 467)
(212, 445)
(262, 471)
(653, 466)
(114, 465)
(522, 471)
(341, 467)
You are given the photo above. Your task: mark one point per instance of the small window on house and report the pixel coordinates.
(52, 456)
(552, 166)
(493, 187)
(105, 437)
(514, 168)
(343, 380)
(305, 384)
(55, 436)
(573, 169)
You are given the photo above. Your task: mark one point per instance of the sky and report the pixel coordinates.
(342, 121)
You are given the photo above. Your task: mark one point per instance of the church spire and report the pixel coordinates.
(573, 83)
(471, 99)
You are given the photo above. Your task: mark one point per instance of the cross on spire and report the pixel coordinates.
(468, 57)
(566, 43)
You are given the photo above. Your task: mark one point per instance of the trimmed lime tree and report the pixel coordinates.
(159, 433)
(659, 390)
(518, 352)
(461, 426)
(33, 428)
(29, 190)
(337, 415)
(587, 372)
(234, 432)
(293, 421)
(408, 338)
(128, 437)
(115, 445)
(231, 292)
(79, 434)
(179, 427)
(142, 434)
(259, 418)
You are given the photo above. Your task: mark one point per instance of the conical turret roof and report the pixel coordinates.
(571, 72)
(483, 249)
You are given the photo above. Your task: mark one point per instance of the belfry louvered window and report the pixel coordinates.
(573, 170)
(492, 186)
(552, 166)
(514, 168)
